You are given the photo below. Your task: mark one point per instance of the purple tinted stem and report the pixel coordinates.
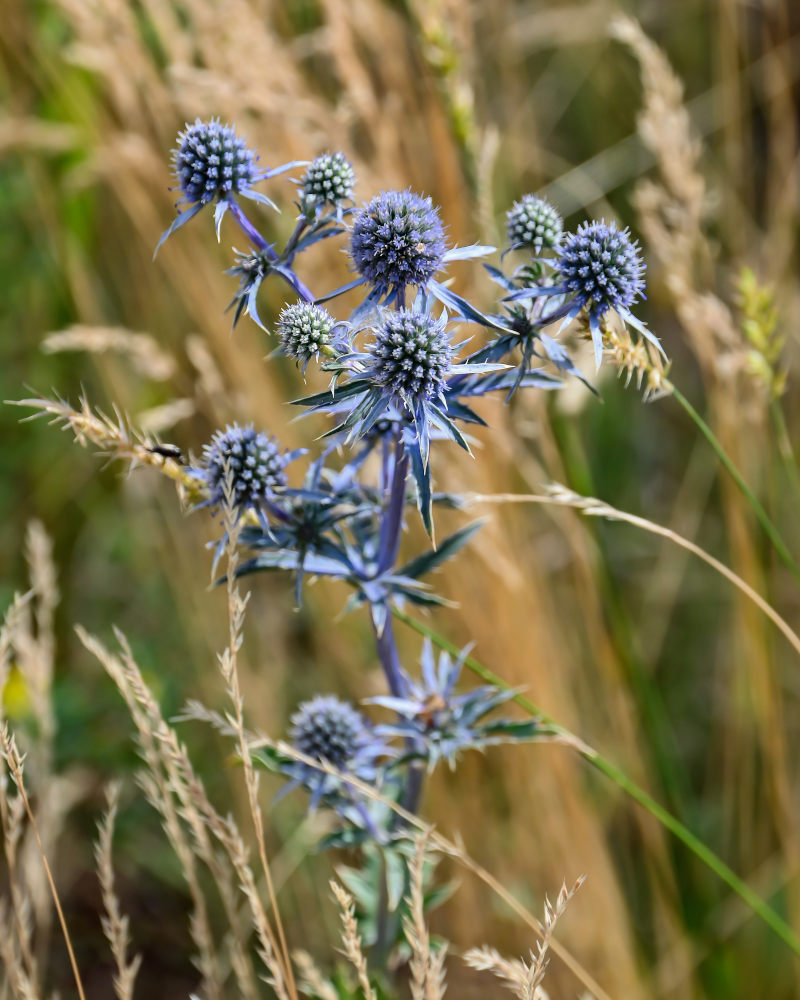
(260, 243)
(393, 512)
(250, 230)
(390, 659)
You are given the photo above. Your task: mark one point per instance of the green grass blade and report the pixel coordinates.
(771, 531)
(638, 794)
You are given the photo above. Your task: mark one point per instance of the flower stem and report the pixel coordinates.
(392, 523)
(389, 657)
(771, 531)
(258, 241)
(634, 791)
(250, 230)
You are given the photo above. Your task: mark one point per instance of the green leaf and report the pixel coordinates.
(435, 557)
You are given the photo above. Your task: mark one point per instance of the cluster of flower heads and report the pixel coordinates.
(400, 379)
(432, 723)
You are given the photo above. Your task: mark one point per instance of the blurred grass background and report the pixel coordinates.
(647, 655)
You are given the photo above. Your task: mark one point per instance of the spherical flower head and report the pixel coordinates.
(329, 178)
(304, 329)
(533, 222)
(212, 161)
(411, 355)
(397, 240)
(252, 459)
(602, 266)
(330, 730)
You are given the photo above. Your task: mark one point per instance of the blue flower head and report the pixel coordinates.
(305, 330)
(599, 269)
(397, 240)
(533, 223)
(330, 730)
(212, 161)
(441, 723)
(330, 178)
(252, 459)
(602, 266)
(214, 164)
(411, 356)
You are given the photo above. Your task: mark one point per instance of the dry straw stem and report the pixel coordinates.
(113, 437)
(27, 641)
(115, 924)
(228, 661)
(426, 966)
(561, 496)
(146, 356)
(523, 979)
(310, 981)
(449, 848)
(351, 938)
(14, 762)
(178, 794)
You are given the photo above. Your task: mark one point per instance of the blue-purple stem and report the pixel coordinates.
(392, 524)
(258, 241)
(390, 658)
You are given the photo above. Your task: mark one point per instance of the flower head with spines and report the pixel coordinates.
(253, 461)
(331, 731)
(213, 164)
(533, 223)
(330, 179)
(411, 356)
(599, 269)
(212, 161)
(602, 266)
(397, 240)
(305, 330)
(405, 371)
(440, 723)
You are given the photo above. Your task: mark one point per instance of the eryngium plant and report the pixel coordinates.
(406, 376)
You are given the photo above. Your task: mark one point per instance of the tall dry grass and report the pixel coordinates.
(468, 101)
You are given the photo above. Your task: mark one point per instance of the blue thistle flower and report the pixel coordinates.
(402, 382)
(330, 178)
(411, 356)
(603, 267)
(331, 731)
(252, 459)
(600, 270)
(532, 222)
(213, 164)
(397, 240)
(212, 161)
(403, 371)
(441, 723)
(305, 330)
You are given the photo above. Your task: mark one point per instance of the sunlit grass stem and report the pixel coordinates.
(766, 523)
